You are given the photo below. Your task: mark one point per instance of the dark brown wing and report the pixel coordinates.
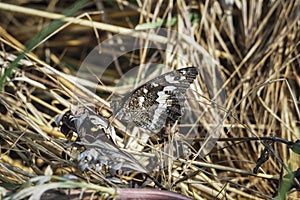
(158, 101)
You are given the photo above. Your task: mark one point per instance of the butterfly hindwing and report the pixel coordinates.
(158, 101)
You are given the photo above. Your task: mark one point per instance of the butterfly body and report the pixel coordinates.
(95, 134)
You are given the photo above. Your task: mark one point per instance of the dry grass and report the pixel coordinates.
(253, 55)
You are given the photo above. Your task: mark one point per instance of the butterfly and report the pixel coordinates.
(157, 102)
(150, 106)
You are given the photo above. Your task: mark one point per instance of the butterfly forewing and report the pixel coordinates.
(158, 101)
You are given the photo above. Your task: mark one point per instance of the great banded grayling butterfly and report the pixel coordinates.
(157, 102)
(152, 105)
